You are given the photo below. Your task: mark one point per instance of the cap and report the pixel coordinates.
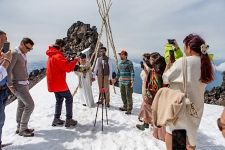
(123, 52)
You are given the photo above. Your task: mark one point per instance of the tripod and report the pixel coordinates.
(102, 99)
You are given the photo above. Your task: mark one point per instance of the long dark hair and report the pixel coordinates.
(194, 41)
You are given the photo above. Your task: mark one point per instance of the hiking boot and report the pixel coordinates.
(70, 122)
(143, 126)
(107, 105)
(57, 122)
(18, 130)
(122, 109)
(99, 102)
(26, 133)
(128, 112)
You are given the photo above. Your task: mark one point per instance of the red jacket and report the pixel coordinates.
(57, 66)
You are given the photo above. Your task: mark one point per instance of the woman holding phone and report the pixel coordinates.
(199, 74)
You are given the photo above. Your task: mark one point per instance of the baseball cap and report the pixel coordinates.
(123, 52)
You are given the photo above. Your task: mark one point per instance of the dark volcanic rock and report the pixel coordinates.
(79, 37)
(217, 94)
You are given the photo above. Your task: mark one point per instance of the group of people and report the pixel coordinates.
(158, 72)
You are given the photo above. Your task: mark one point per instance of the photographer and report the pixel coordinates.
(155, 65)
(5, 61)
(57, 67)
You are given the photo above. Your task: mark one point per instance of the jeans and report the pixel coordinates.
(69, 104)
(3, 98)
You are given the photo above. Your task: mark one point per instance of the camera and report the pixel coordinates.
(71, 55)
(5, 48)
(171, 41)
(142, 64)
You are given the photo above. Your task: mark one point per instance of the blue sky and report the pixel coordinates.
(138, 25)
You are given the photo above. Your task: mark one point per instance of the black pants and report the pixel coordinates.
(69, 104)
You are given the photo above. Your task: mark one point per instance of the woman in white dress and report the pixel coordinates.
(85, 78)
(199, 74)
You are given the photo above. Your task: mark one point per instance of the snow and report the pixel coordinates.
(121, 132)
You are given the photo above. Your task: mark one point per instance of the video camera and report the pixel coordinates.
(71, 54)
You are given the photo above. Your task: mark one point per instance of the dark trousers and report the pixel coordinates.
(3, 98)
(59, 101)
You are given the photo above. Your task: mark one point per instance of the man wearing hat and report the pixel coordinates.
(125, 76)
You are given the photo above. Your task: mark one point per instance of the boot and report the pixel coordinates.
(57, 122)
(26, 133)
(70, 122)
(18, 130)
(128, 112)
(143, 126)
(122, 109)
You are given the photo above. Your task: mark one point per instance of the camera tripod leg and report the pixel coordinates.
(106, 109)
(102, 114)
(97, 110)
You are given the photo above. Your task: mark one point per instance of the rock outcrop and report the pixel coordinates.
(217, 94)
(79, 37)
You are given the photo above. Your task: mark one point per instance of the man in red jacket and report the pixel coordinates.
(57, 67)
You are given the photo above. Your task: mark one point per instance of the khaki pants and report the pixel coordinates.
(106, 85)
(25, 106)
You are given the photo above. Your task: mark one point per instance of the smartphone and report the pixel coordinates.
(171, 41)
(172, 56)
(5, 48)
(179, 139)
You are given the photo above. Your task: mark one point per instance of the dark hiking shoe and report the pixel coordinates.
(122, 109)
(142, 126)
(107, 105)
(128, 112)
(99, 102)
(26, 133)
(70, 122)
(18, 130)
(84, 105)
(57, 122)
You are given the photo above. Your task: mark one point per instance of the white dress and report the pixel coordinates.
(86, 95)
(195, 91)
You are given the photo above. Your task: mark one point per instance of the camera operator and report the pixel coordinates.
(57, 67)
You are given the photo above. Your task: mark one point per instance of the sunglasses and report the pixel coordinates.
(28, 48)
(220, 125)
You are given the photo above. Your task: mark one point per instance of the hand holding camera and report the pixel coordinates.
(6, 53)
(173, 42)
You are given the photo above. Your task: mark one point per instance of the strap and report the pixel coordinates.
(184, 70)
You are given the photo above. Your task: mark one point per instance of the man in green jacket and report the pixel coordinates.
(125, 76)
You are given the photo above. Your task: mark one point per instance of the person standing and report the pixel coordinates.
(104, 62)
(57, 67)
(199, 74)
(125, 76)
(5, 59)
(85, 75)
(19, 85)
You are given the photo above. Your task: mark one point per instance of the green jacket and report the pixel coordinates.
(177, 53)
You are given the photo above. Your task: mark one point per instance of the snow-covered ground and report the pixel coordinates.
(120, 134)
